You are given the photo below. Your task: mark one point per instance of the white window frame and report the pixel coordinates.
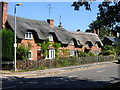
(72, 53)
(51, 54)
(29, 58)
(87, 44)
(72, 42)
(50, 36)
(28, 35)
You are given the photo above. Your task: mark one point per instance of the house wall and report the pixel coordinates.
(70, 47)
(93, 48)
(34, 47)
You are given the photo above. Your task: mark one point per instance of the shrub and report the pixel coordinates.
(7, 44)
(44, 47)
(91, 54)
(22, 52)
(82, 54)
(66, 53)
(108, 50)
(56, 45)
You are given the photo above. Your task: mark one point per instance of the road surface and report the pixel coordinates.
(90, 78)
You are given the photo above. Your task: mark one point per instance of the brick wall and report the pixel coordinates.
(33, 48)
(0, 15)
(4, 10)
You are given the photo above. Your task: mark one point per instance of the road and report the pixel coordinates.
(90, 78)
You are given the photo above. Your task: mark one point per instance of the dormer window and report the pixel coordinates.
(87, 44)
(50, 36)
(72, 42)
(28, 35)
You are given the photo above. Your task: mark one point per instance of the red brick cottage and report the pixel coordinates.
(33, 32)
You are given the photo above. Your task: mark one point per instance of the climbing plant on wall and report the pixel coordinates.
(56, 46)
(44, 47)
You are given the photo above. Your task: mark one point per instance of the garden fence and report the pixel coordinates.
(54, 63)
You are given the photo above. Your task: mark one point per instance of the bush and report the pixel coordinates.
(91, 54)
(7, 44)
(108, 50)
(82, 54)
(22, 52)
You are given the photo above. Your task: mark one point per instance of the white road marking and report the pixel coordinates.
(101, 71)
(72, 76)
(9, 87)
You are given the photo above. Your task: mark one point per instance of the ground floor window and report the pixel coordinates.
(72, 53)
(51, 54)
(29, 55)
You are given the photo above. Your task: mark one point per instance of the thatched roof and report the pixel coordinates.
(64, 36)
(82, 37)
(42, 29)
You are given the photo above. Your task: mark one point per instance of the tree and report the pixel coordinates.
(95, 25)
(109, 11)
(109, 14)
(7, 44)
(103, 30)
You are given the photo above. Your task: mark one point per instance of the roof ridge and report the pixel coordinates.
(27, 18)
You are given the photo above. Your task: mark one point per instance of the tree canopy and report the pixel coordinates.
(109, 12)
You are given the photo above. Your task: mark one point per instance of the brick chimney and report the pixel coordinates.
(3, 14)
(51, 22)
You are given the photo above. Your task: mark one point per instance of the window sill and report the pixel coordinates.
(29, 59)
(28, 38)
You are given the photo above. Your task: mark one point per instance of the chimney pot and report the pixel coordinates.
(51, 22)
(78, 30)
(60, 25)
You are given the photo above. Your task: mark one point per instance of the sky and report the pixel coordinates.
(70, 19)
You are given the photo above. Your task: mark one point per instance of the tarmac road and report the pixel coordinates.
(88, 78)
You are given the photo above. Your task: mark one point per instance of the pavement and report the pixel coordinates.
(8, 75)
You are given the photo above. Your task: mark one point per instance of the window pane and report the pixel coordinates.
(51, 54)
(30, 35)
(30, 56)
(48, 54)
(26, 35)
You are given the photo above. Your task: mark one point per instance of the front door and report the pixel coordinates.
(39, 54)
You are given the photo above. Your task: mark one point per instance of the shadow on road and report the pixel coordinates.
(117, 62)
(52, 82)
